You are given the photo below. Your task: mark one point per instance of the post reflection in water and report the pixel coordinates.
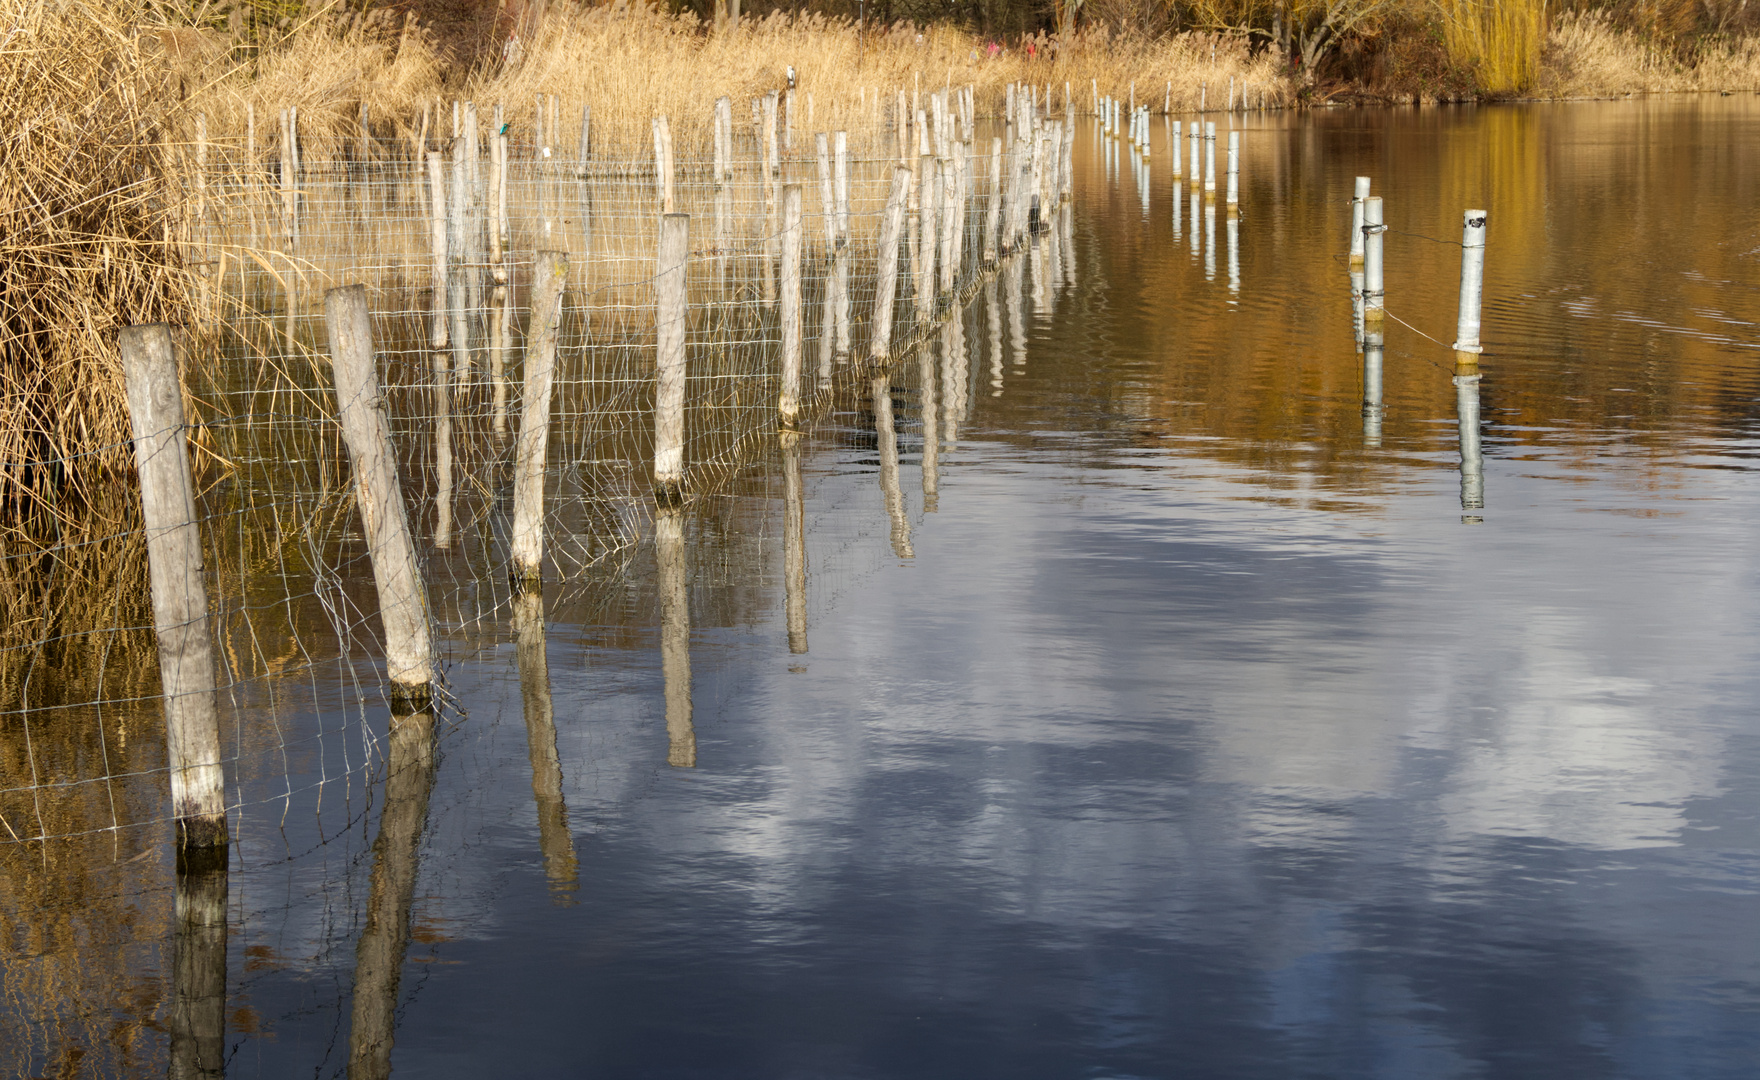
(1196, 230)
(993, 320)
(1017, 326)
(794, 543)
(827, 332)
(1466, 399)
(1054, 248)
(409, 779)
(928, 380)
(1041, 290)
(1357, 306)
(198, 973)
(1372, 406)
(1178, 208)
(1066, 223)
(675, 636)
(1209, 240)
(953, 377)
(1234, 252)
(555, 842)
(886, 435)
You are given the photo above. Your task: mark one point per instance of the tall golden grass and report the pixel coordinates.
(632, 62)
(89, 218)
(1589, 56)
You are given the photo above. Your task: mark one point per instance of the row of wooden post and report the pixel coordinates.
(930, 192)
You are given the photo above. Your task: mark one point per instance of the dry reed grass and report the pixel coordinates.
(1588, 55)
(89, 219)
(327, 70)
(631, 62)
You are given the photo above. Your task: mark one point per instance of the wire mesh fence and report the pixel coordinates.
(445, 242)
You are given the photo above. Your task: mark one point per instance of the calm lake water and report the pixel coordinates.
(1169, 723)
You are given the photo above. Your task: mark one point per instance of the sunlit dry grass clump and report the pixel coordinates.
(88, 242)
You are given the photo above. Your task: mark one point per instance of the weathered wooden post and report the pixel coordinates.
(772, 156)
(840, 271)
(927, 239)
(670, 313)
(441, 362)
(993, 211)
(457, 270)
(1466, 335)
(403, 601)
(663, 178)
(180, 595)
(583, 154)
(886, 275)
(788, 406)
(1178, 157)
(531, 450)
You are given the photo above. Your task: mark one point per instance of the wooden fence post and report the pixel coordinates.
(886, 278)
(180, 596)
(532, 447)
(403, 600)
(788, 406)
(669, 329)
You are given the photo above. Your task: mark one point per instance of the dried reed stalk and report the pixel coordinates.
(90, 213)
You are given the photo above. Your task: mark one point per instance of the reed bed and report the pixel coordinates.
(1588, 55)
(90, 211)
(633, 62)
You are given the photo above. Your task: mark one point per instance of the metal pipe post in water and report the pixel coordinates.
(1209, 160)
(1374, 283)
(1466, 335)
(1361, 195)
